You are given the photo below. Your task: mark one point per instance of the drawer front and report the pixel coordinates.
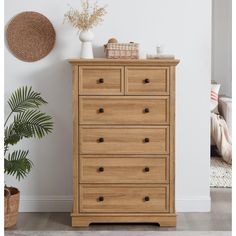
(124, 110)
(124, 169)
(124, 198)
(124, 140)
(147, 81)
(99, 80)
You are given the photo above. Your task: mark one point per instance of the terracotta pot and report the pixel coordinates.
(11, 206)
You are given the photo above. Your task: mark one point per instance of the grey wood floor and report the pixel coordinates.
(219, 219)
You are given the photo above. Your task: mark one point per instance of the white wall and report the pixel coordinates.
(184, 26)
(222, 45)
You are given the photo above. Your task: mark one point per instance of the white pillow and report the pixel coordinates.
(214, 97)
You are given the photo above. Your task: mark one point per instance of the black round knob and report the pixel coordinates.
(146, 110)
(101, 110)
(146, 199)
(101, 81)
(101, 199)
(101, 140)
(146, 169)
(146, 140)
(101, 169)
(146, 81)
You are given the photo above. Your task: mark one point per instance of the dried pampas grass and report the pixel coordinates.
(86, 18)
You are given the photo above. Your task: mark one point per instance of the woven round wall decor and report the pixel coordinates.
(30, 36)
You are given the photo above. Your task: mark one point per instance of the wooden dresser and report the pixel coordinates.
(123, 141)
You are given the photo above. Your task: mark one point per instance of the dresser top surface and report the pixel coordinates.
(104, 61)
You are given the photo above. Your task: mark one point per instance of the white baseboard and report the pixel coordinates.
(64, 204)
(46, 204)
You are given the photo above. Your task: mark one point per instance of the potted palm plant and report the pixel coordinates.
(25, 120)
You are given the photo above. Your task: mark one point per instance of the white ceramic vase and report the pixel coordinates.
(86, 38)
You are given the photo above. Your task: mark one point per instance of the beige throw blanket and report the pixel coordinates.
(220, 136)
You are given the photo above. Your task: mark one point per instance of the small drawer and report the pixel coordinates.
(124, 140)
(124, 169)
(124, 110)
(100, 80)
(124, 198)
(147, 80)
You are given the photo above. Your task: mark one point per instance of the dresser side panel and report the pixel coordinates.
(75, 138)
(172, 139)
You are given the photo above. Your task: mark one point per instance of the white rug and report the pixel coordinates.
(120, 233)
(221, 173)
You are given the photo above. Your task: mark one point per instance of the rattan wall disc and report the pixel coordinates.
(30, 36)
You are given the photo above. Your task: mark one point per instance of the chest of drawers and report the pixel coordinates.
(123, 141)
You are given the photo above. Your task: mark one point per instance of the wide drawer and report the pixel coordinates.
(124, 110)
(100, 80)
(124, 140)
(124, 169)
(124, 198)
(147, 80)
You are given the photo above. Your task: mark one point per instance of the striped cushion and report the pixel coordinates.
(214, 97)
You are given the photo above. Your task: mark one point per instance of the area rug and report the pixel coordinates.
(120, 233)
(221, 173)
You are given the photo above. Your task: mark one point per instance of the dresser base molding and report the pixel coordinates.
(84, 220)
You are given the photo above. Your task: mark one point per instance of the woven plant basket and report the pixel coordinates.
(11, 206)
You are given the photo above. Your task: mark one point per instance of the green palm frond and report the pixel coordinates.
(24, 98)
(28, 122)
(10, 136)
(33, 123)
(17, 164)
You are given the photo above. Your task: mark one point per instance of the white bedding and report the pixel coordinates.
(221, 137)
